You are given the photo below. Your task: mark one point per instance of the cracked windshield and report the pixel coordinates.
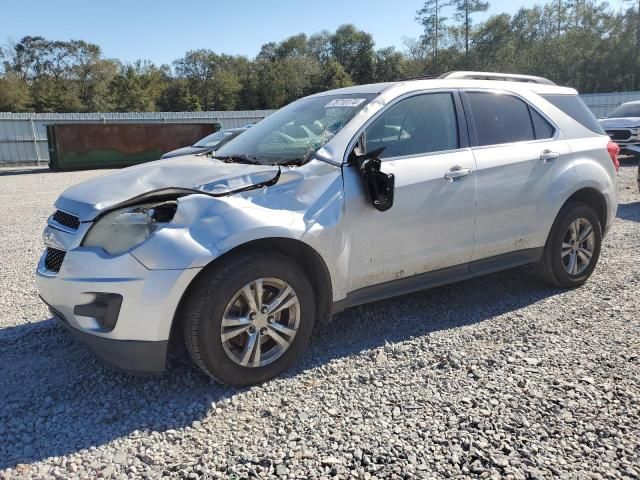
(291, 135)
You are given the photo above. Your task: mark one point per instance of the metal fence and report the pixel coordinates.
(601, 104)
(23, 136)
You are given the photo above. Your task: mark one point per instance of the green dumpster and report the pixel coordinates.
(81, 146)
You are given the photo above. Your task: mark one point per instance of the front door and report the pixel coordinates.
(431, 224)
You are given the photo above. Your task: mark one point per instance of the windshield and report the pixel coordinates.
(626, 110)
(214, 139)
(293, 133)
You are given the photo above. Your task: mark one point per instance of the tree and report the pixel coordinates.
(285, 80)
(564, 40)
(464, 9)
(494, 44)
(198, 67)
(635, 12)
(292, 47)
(214, 77)
(389, 65)
(287, 70)
(332, 75)
(226, 89)
(92, 75)
(353, 49)
(177, 97)
(319, 46)
(61, 75)
(138, 87)
(433, 24)
(14, 93)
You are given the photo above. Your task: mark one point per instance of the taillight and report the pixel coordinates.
(614, 150)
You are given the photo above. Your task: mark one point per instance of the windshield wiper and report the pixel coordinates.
(238, 159)
(295, 162)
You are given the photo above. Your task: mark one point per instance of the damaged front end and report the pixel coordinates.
(161, 181)
(116, 265)
(125, 225)
(121, 229)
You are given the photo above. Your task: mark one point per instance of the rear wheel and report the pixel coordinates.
(248, 319)
(573, 247)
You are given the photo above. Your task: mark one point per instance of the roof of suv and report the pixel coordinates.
(438, 83)
(419, 84)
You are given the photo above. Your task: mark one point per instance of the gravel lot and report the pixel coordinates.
(494, 377)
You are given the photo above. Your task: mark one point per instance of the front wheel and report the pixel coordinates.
(573, 247)
(247, 319)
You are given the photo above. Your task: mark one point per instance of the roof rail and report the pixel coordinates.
(507, 77)
(420, 77)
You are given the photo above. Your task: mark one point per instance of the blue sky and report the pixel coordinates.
(163, 30)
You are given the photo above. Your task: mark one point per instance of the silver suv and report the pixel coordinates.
(338, 199)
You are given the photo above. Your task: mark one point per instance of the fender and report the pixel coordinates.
(600, 176)
(305, 205)
(597, 174)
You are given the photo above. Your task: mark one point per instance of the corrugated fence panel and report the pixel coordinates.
(23, 136)
(601, 104)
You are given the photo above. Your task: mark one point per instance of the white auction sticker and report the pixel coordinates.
(345, 102)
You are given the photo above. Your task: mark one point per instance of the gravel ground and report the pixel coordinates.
(494, 377)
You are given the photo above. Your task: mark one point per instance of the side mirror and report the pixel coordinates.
(379, 185)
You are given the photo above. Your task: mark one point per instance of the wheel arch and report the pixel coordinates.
(300, 252)
(595, 199)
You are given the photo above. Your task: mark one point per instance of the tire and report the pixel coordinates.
(555, 265)
(209, 299)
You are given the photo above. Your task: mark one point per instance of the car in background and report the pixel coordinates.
(623, 127)
(209, 143)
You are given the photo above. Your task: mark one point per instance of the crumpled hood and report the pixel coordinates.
(623, 122)
(88, 199)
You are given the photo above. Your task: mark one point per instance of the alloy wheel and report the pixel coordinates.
(260, 322)
(578, 246)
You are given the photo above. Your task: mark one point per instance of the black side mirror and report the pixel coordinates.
(379, 185)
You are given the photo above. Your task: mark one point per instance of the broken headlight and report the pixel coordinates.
(121, 230)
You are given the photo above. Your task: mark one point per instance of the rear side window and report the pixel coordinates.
(500, 118)
(416, 125)
(542, 128)
(573, 106)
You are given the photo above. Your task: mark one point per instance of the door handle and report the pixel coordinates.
(548, 155)
(456, 172)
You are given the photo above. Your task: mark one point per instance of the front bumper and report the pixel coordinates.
(629, 148)
(137, 341)
(131, 356)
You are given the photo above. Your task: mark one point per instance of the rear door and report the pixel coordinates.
(519, 152)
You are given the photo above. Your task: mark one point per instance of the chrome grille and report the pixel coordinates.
(53, 259)
(66, 219)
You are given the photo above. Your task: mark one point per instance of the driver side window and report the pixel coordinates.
(418, 124)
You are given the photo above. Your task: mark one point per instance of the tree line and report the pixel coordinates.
(581, 43)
